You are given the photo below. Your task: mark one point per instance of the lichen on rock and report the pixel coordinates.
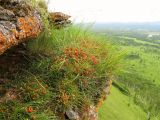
(19, 21)
(59, 19)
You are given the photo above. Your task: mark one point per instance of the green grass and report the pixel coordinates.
(66, 69)
(120, 107)
(78, 57)
(148, 59)
(141, 71)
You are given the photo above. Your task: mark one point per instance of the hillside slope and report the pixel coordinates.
(120, 107)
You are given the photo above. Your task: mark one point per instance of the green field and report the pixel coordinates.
(139, 79)
(120, 107)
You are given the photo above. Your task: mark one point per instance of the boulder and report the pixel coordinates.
(59, 19)
(19, 21)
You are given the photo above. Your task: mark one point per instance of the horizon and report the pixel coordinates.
(122, 22)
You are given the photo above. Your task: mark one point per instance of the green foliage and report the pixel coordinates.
(14, 110)
(32, 89)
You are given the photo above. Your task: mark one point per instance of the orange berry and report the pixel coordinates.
(29, 109)
(76, 52)
(94, 60)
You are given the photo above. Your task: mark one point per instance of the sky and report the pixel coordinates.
(108, 10)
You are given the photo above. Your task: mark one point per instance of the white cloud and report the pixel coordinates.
(109, 10)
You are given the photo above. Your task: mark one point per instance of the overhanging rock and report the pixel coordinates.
(19, 21)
